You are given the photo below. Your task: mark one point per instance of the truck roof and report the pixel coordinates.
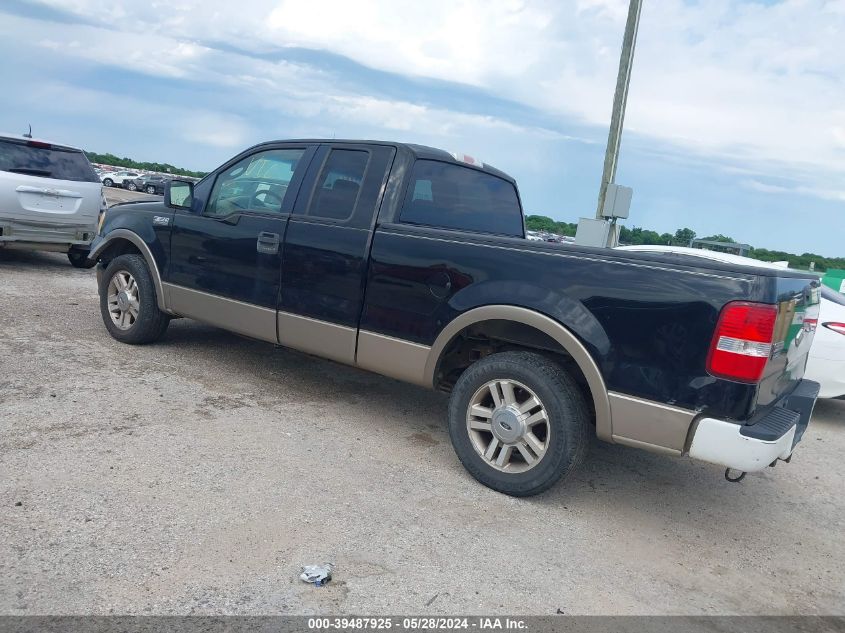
(419, 151)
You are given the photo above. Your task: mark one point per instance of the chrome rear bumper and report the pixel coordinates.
(753, 447)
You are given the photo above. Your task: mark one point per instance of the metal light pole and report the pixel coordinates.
(620, 98)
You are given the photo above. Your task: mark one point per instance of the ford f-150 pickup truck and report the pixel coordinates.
(412, 262)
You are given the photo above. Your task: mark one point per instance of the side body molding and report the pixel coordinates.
(135, 239)
(548, 326)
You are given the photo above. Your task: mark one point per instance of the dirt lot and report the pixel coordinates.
(115, 195)
(197, 475)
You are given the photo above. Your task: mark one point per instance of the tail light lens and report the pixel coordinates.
(742, 343)
(839, 328)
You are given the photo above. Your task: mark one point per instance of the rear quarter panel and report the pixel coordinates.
(648, 325)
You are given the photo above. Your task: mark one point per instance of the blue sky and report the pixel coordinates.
(735, 125)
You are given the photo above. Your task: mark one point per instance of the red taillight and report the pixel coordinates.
(839, 328)
(742, 343)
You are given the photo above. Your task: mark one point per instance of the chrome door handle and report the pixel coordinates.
(268, 243)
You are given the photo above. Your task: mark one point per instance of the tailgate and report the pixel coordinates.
(43, 185)
(40, 202)
(56, 202)
(798, 312)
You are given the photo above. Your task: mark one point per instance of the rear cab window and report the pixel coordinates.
(450, 196)
(34, 158)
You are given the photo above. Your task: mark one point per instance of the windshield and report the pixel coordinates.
(46, 161)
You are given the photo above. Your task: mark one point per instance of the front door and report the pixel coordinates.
(326, 249)
(226, 258)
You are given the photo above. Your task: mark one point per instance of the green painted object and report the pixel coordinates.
(835, 278)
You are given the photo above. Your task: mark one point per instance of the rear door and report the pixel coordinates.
(327, 248)
(226, 254)
(47, 192)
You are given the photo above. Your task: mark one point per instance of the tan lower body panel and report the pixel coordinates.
(321, 338)
(382, 354)
(649, 425)
(393, 357)
(237, 316)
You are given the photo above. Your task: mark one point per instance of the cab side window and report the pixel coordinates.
(450, 196)
(339, 184)
(258, 183)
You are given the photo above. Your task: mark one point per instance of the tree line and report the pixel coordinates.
(682, 237)
(128, 163)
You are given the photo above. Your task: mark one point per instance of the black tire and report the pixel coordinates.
(567, 421)
(131, 186)
(79, 259)
(108, 182)
(151, 190)
(151, 323)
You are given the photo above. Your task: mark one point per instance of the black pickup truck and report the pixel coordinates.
(412, 262)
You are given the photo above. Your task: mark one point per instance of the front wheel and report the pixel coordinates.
(518, 422)
(108, 182)
(131, 186)
(128, 302)
(151, 189)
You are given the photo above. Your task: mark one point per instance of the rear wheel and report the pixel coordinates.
(108, 182)
(151, 189)
(131, 186)
(518, 422)
(128, 302)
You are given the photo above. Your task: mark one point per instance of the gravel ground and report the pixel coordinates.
(115, 195)
(198, 474)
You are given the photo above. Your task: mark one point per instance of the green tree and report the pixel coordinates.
(166, 168)
(545, 223)
(684, 236)
(637, 235)
(720, 238)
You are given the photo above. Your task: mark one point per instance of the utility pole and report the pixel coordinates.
(620, 98)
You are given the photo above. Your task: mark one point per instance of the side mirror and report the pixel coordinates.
(178, 194)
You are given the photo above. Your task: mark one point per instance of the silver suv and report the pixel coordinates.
(50, 198)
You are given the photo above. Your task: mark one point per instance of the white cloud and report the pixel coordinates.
(145, 53)
(199, 126)
(749, 83)
(469, 42)
(293, 89)
(837, 195)
(217, 130)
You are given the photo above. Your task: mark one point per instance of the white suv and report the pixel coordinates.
(120, 178)
(50, 198)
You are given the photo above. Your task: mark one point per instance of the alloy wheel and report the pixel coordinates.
(123, 300)
(508, 426)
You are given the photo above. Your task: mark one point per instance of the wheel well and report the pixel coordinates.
(116, 248)
(489, 337)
